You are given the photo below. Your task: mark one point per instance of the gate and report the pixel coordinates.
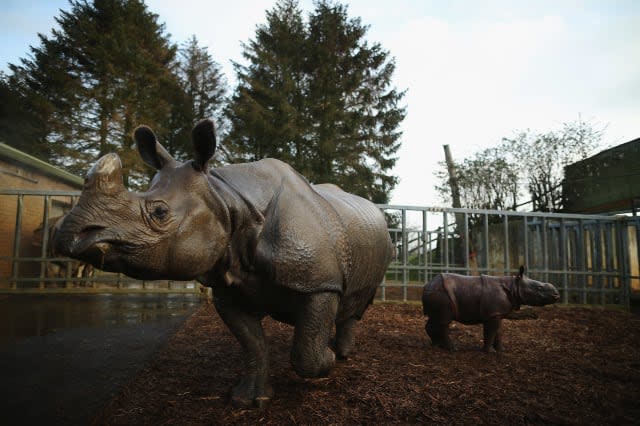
(591, 259)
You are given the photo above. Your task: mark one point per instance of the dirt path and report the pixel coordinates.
(569, 366)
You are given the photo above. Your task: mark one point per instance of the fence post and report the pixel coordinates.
(505, 224)
(625, 272)
(608, 255)
(445, 241)
(405, 249)
(15, 266)
(485, 235)
(45, 241)
(525, 238)
(597, 260)
(466, 242)
(581, 262)
(563, 260)
(425, 247)
(545, 248)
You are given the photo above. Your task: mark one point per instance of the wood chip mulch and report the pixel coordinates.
(570, 365)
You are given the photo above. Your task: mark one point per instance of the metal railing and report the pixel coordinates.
(31, 266)
(592, 259)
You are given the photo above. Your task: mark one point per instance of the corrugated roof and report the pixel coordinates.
(11, 153)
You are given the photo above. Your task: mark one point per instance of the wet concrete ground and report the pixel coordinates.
(63, 357)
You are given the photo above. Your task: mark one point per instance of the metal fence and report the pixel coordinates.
(592, 259)
(28, 263)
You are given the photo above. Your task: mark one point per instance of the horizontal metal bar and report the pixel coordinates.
(434, 209)
(40, 192)
(96, 280)
(500, 212)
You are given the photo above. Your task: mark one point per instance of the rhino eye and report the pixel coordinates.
(158, 210)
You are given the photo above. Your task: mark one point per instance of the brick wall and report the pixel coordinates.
(14, 175)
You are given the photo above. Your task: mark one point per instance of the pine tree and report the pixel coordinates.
(319, 97)
(106, 69)
(356, 113)
(202, 95)
(267, 109)
(20, 126)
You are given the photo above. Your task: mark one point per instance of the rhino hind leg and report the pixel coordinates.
(345, 341)
(438, 332)
(310, 355)
(437, 305)
(492, 331)
(253, 388)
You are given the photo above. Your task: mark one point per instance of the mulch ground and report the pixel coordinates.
(568, 366)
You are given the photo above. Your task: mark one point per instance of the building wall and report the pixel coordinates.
(15, 174)
(605, 183)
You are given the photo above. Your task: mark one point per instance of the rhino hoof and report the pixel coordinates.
(246, 395)
(257, 402)
(261, 402)
(444, 346)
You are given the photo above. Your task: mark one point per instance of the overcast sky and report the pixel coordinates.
(476, 71)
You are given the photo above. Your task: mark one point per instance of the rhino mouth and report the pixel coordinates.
(100, 247)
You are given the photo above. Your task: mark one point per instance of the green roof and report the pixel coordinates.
(42, 166)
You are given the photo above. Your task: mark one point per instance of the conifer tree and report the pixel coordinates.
(202, 94)
(267, 109)
(318, 96)
(356, 112)
(20, 127)
(107, 68)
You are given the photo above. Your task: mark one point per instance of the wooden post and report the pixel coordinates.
(460, 257)
(453, 178)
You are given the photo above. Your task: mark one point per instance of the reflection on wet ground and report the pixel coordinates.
(39, 315)
(63, 357)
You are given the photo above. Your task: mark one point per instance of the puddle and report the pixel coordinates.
(24, 316)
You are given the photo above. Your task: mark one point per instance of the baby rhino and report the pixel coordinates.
(482, 300)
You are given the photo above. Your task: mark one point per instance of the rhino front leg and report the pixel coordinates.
(497, 342)
(492, 330)
(310, 355)
(253, 387)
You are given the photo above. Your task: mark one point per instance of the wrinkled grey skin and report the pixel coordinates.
(267, 241)
(479, 300)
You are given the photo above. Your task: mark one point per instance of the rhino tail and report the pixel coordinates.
(449, 288)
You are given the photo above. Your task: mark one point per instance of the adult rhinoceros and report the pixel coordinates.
(265, 240)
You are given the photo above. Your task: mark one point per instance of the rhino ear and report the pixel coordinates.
(521, 271)
(150, 149)
(203, 136)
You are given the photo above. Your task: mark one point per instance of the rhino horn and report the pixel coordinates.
(106, 175)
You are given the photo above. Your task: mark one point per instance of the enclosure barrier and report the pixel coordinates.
(28, 263)
(592, 259)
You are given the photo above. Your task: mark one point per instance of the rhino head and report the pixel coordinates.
(177, 229)
(535, 293)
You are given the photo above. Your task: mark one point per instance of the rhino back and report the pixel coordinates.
(257, 181)
(314, 238)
